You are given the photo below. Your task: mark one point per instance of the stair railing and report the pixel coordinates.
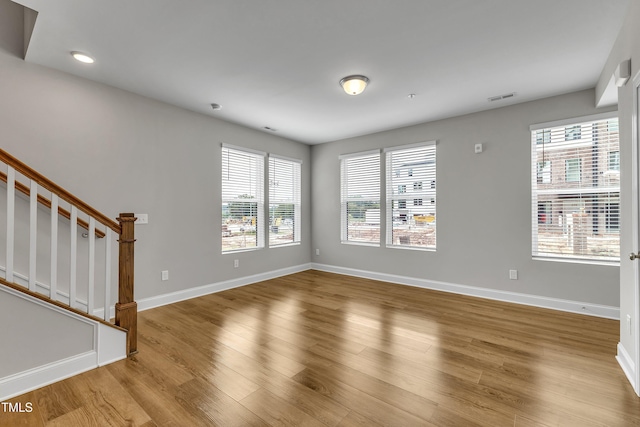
(97, 226)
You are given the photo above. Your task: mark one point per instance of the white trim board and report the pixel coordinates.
(626, 363)
(589, 309)
(24, 382)
(173, 297)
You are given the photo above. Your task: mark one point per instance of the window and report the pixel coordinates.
(543, 136)
(572, 133)
(360, 198)
(242, 199)
(284, 201)
(572, 170)
(575, 195)
(544, 172)
(411, 225)
(612, 216)
(614, 160)
(544, 212)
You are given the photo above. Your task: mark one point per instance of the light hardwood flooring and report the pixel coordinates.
(320, 349)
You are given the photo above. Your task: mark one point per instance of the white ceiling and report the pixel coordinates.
(277, 63)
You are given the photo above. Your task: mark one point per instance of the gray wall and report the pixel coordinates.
(483, 206)
(121, 152)
(26, 344)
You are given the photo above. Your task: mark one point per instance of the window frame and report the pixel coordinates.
(258, 158)
(372, 181)
(295, 198)
(589, 203)
(400, 188)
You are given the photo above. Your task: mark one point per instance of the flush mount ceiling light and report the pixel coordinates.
(354, 85)
(82, 57)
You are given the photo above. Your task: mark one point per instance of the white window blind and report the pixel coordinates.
(284, 201)
(576, 190)
(360, 198)
(242, 199)
(411, 196)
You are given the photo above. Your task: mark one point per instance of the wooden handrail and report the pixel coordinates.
(56, 189)
(47, 203)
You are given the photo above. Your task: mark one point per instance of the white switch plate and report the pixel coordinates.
(165, 274)
(142, 219)
(478, 148)
(513, 274)
(236, 263)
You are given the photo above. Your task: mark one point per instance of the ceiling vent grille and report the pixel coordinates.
(501, 97)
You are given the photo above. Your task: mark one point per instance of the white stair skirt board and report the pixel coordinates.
(109, 345)
(628, 367)
(170, 298)
(596, 310)
(24, 382)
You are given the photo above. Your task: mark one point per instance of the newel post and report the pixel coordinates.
(126, 307)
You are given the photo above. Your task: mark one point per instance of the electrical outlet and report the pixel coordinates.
(236, 263)
(513, 274)
(165, 274)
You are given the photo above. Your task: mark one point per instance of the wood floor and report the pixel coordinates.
(319, 349)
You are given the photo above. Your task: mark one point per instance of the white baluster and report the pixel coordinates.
(107, 276)
(54, 247)
(11, 193)
(73, 256)
(92, 264)
(33, 234)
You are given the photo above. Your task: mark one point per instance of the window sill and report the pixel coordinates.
(615, 263)
(235, 251)
(284, 245)
(371, 245)
(412, 248)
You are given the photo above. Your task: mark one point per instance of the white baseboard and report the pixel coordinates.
(628, 366)
(513, 297)
(24, 382)
(170, 298)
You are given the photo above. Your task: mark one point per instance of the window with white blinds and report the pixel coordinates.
(242, 199)
(360, 198)
(284, 201)
(411, 196)
(576, 189)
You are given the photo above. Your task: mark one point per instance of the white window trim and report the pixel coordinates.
(388, 179)
(297, 222)
(560, 145)
(343, 204)
(260, 221)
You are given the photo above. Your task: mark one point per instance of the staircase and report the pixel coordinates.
(56, 267)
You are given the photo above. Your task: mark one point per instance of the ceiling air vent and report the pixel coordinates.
(501, 97)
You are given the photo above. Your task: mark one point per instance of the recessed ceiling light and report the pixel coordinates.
(83, 57)
(216, 107)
